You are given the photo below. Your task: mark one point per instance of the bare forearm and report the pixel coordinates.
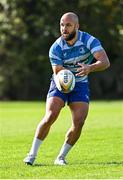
(102, 62)
(99, 66)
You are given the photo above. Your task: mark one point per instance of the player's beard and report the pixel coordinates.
(71, 36)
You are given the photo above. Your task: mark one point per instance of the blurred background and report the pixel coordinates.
(29, 27)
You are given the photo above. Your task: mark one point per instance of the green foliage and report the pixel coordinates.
(97, 155)
(27, 30)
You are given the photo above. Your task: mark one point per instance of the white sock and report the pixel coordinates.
(35, 146)
(65, 149)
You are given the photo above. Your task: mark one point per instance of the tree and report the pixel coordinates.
(29, 27)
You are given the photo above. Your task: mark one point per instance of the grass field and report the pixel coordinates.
(98, 154)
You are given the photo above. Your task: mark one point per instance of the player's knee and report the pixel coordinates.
(50, 117)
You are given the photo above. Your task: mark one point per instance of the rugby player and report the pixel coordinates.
(73, 50)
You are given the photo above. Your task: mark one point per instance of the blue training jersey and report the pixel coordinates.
(61, 53)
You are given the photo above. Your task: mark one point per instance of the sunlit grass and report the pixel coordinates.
(97, 154)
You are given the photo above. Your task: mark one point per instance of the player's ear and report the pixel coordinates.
(77, 26)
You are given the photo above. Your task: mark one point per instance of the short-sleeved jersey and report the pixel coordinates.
(61, 53)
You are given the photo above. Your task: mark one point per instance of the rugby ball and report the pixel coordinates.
(65, 81)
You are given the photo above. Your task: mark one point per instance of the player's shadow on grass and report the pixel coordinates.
(38, 165)
(83, 163)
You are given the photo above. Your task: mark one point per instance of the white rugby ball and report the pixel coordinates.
(65, 81)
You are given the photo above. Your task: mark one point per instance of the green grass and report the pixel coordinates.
(97, 154)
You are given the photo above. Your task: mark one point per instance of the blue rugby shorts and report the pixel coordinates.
(80, 92)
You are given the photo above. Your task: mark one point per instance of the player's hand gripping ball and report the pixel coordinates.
(65, 81)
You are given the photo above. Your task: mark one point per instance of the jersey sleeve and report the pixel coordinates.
(55, 55)
(92, 43)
